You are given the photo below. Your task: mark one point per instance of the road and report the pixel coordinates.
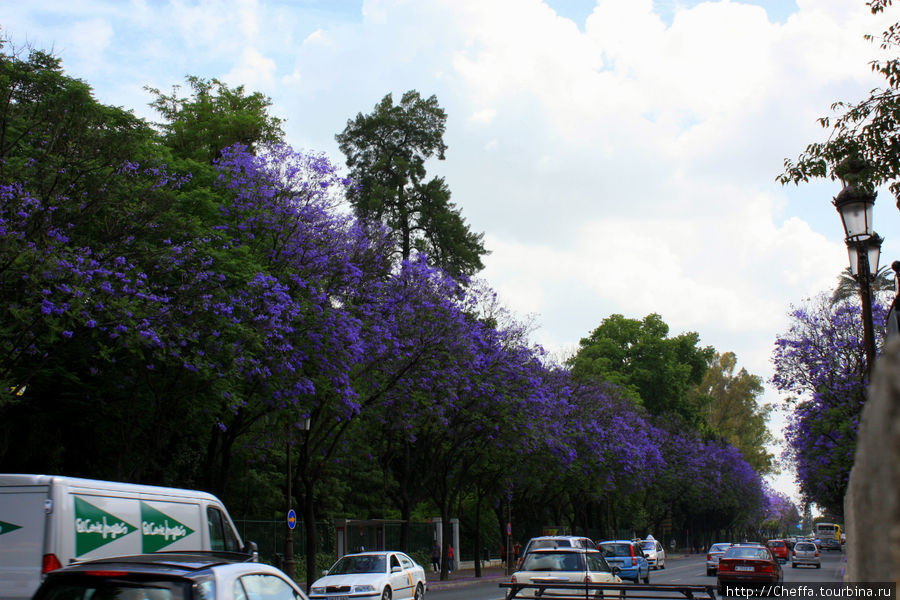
(689, 570)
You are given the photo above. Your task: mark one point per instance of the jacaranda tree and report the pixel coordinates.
(820, 363)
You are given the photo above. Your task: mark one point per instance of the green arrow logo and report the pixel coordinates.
(7, 527)
(159, 529)
(95, 527)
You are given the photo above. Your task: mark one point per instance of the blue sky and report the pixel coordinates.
(620, 156)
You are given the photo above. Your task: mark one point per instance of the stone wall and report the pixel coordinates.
(872, 503)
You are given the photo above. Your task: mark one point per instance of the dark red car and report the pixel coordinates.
(748, 566)
(780, 549)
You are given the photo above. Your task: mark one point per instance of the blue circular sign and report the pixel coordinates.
(292, 519)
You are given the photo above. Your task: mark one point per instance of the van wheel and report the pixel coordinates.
(386, 594)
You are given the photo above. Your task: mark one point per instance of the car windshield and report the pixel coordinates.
(554, 561)
(535, 544)
(776, 544)
(720, 547)
(350, 565)
(805, 547)
(95, 588)
(747, 552)
(648, 546)
(616, 549)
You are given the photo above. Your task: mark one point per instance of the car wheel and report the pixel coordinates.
(386, 594)
(647, 577)
(420, 592)
(819, 566)
(793, 565)
(710, 572)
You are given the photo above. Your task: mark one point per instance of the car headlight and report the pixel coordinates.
(363, 588)
(317, 590)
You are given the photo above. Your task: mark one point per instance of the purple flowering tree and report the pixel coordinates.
(820, 363)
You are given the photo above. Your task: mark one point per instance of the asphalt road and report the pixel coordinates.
(687, 570)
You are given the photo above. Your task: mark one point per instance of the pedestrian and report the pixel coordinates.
(516, 550)
(450, 562)
(503, 556)
(436, 557)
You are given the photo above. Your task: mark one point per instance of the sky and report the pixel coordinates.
(619, 156)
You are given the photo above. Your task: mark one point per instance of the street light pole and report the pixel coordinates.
(865, 295)
(855, 204)
(289, 537)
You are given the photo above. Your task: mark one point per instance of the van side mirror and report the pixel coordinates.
(252, 550)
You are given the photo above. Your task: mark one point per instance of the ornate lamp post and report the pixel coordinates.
(855, 203)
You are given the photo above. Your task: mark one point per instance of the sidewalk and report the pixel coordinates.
(491, 571)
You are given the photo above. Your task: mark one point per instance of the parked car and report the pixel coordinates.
(779, 549)
(184, 575)
(555, 541)
(628, 556)
(655, 553)
(748, 566)
(805, 553)
(716, 551)
(563, 565)
(386, 575)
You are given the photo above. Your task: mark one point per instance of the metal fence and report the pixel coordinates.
(270, 535)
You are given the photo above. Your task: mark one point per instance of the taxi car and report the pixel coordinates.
(387, 575)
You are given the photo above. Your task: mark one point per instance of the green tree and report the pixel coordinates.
(867, 129)
(733, 411)
(654, 369)
(386, 152)
(214, 117)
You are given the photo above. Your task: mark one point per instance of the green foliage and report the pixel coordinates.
(214, 117)
(386, 152)
(866, 130)
(653, 369)
(734, 412)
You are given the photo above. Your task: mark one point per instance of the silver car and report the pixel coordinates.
(805, 553)
(716, 551)
(656, 555)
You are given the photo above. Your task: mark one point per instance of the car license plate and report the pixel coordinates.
(338, 598)
(743, 568)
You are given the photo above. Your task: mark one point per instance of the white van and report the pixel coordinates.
(48, 521)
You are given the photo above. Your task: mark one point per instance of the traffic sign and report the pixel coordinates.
(292, 519)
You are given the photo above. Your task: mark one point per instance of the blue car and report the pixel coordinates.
(628, 556)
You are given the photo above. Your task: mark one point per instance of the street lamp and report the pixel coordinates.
(855, 203)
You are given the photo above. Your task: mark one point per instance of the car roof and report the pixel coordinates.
(172, 562)
(621, 542)
(563, 549)
(374, 553)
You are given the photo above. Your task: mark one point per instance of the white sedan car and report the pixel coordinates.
(545, 567)
(367, 575)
